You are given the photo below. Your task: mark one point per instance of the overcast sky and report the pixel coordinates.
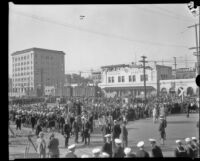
(108, 34)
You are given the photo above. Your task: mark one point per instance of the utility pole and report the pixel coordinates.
(193, 7)
(175, 64)
(144, 72)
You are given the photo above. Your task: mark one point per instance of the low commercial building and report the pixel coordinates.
(128, 79)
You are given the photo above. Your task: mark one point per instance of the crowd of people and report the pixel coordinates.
(78, 115)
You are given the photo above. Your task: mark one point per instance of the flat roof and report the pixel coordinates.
(125, 65)
(118, 65)
(37, 49)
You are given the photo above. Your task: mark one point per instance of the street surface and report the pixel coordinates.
(178, 127)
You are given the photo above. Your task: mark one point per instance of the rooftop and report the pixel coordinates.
(37, 49)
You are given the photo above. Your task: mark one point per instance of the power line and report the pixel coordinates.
(99, 33)
(160, 13)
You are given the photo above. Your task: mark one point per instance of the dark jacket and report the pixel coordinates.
(124, 132)
(107, 147)
(53, 146)
(105, 129)
(180, 152)
(75, 126)
(66, 130)
(38, 129)
(190, 152)
(142, 154)
(119, 152)
(157, 152)
(116, 131)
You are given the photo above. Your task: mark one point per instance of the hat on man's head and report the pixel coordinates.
(194, 138)
(187, 140)
(96, 151)
(118, 141)
(104, 155)
(107, 135)
(140, 144)
(72, 147)
(178, 141)
(161, 117)
(152, 140)
(127, 150)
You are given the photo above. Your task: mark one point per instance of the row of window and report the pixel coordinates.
(21, 58)
(23, 79)
(132, 78)
(23, 89)
(22, 74)
(45, 57)
(22, 63)
(22, 68)
(23, 84)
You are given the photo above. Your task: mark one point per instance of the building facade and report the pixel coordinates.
(35, 68)
(188, 86)
(10, 87)
(184, 73)
(96, 77)
(128, 79)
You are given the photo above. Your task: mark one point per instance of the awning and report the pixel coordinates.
(130, 88)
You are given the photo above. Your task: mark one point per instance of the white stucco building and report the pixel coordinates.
(127, 79)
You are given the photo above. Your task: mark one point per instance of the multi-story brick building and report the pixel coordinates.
(35, 68)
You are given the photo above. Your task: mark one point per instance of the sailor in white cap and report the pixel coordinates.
(128, 153)
(119, 151)
(195, 142)
(71, 154)
(156, 150)
(104, 155)
(189, 149)
(96, 152)
(141, 153)
(195, 146)
(107, 147)
(180, 150)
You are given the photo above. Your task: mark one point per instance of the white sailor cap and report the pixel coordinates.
(187, 140)
(127, 150)
(104, 155)
(178, 141)
(152, 140)
(140, 144)
(85, 156)
(118, 141)
(194, 138)
(96, 151)
(107, 135)
(71, 146)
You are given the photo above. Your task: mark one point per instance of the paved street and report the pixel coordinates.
(179, 127)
